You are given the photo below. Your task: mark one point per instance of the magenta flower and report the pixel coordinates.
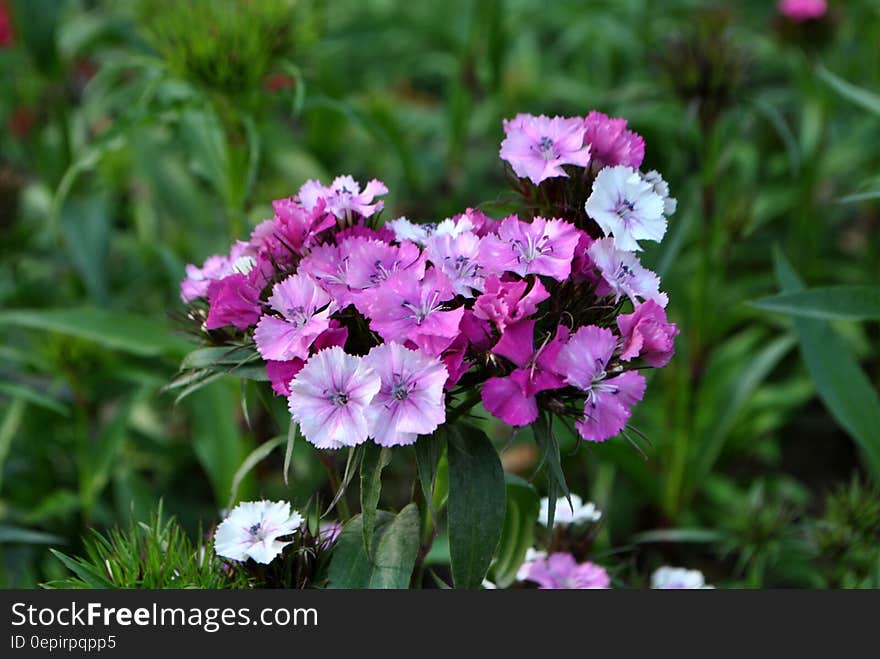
(305, 309)
(611, 143)
(329, 398)
(457, 258)
(281, 373)
(411, 400)
(539, 247)
(195, 284)
(371, 263)
(647, 334)
(625, 205)
(562, 571)
(406, 309)
(294, 228)
(234, 301)
(512, 398)
(507, 302)
(623, 274)
(803, 10)
(583, 362)
(480, 223)
(538, 147)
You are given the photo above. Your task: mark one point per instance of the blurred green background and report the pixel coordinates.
(138, 136)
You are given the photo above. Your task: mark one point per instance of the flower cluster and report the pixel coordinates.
(375, 331)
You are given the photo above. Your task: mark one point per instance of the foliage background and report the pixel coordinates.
(139, 136)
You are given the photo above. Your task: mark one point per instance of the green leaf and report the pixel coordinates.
(549, 446)
(476, 504)
(19, 391)
(288, 449)
(89, 575)
(518, 535)
(85, 224)
(375, 459)
(428, 450)
(678, 535)
(112, 329)
(827, 303)
(866, 99)
(254, 458)
(395, 545)
(10, 534)
(840, 382)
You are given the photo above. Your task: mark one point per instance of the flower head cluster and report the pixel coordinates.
(374, 331)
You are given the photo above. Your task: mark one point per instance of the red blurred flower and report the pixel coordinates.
(21, 121)
(7, 34)
(279, 81)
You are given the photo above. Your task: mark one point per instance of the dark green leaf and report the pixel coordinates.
(678, 535)
(829, 303)
(476, 504)
(519, 529)
(375, 459)
(550, 458)
(393, 552)
(11, 534)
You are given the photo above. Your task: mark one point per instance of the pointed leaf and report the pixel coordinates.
(375, 459)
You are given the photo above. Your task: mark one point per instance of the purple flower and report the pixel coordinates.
(562, 571)
(623, 274)
(197, 280)
(538, 147)
(625, 205)
(411, 401)
(803, 10)
(371, 263)
(512, 398)
(507, 302)
(611, 143)
(293, 230)
(406, 309)
(305, 309)
(647, 334)
(281, 373)
(583, 362)
(539, 247)
(456, 257)
(233, 300)
(329, 398)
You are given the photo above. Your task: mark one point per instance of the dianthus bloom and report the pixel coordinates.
(803, 10)
(583, 362)
(611, 143)
(623, 274)
(305, 311)
(647, 334)
(538, 147)
(575, 512)
(344, 196)
(539, 247)
(678, 578)
(561, 571)
(253, 528)
(626, 206)
(411, 400)
(329, 398)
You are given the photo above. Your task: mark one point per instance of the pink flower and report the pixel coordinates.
(583, 362)
(611, 143)
(329, 398)
(457, 258)
(541, 247)
(512, 398)
(538, 147)
(233, 300)
(803, 10)
(281, 373)
(480, 223)
(507, 302)
(344, 196)
(623, 274)
(647, 334)
(406, 309)
(295, 228)
(197, 280)
(411, 400)
(305, 311)
(562, 571)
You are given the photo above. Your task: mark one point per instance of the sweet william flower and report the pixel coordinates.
(410, 401)
(540, 247)
(457, 257)
(253, 528)
(280, 373)
(647, 334)
(305, 309)
(538, 147)
(678, 578)
(344, 196)
(329, 398)
(561, 571)
(661, 188)
(625, 205)
(623, 274)
(611, 143)
(567, 513)
(582, 362)
(507, 302)
(233, 301)
(803, 10)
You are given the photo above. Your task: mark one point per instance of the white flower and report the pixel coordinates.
(454, 228)
(532, 555)
(488, 585)
(575, 514)
(252, 530)
(661, 187)
(405, 230)
(678, 578)
(626, 206)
